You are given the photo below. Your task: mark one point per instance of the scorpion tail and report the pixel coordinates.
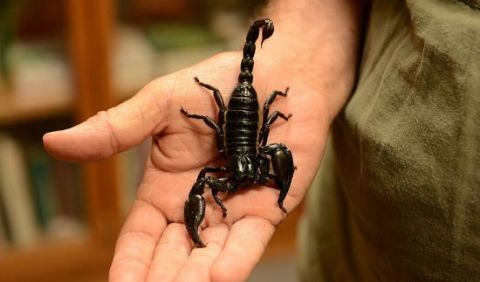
(246, 66)
(267, 30)
(194, 212)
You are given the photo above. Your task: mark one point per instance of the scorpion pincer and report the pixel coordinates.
(243, 147)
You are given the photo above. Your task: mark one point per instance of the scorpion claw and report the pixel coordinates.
(194, 212)
(283, 168)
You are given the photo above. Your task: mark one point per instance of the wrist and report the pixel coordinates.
(315, 46)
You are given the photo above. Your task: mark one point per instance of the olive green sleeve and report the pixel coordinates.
(398, 195)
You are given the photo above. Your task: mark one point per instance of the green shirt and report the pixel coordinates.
(398, 194)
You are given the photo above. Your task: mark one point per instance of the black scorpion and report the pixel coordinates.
(240, 144)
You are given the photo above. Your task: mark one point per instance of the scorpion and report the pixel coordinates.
(239, 142)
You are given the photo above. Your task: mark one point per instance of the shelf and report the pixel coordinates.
(67, 261)
(15, 109)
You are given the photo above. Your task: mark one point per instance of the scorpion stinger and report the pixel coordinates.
(240, 143)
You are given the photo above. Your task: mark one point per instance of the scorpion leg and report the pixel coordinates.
(263, 135)
(218, 130)
(283, 168)
(263, 165)
(266, 109)
(208, 169)
(221, 112)
(219, 185)
(194, 210)
(218, 100)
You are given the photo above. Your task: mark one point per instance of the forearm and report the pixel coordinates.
(317, 42)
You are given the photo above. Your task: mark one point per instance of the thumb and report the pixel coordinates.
(115, 129)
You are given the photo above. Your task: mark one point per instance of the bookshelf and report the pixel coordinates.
(16, 111)
(91, 25)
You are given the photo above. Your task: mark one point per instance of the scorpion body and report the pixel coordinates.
(240, 142)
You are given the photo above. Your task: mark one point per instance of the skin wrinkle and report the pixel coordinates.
(114, 141)
(255, 243)
(131, 255)
(213, 243)
(178, 244)
(197, 266)
(180, 254)
(121, 272)
(273, 220)
(266, 223)
(169, 104)
(162, 154)
(141, 113)
(146, 198)
(227, 228)
(164, 157)
(137, 234)
(181, 248)
(152, 97)
(101, 121)
(136, 253)
(197, 159)
(140, 200)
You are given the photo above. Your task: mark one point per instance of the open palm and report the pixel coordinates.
(153, 244)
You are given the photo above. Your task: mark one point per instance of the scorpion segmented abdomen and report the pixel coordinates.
(241, 124)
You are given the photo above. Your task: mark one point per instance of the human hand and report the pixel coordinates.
(153, 244)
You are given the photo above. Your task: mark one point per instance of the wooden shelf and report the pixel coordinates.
(15, 109)
(67, 261)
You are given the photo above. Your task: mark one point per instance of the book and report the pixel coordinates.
(57, 195)
(4, 240)
(14, 190)
(68, 189)
(40, 171)
(39, 65)
(181, 45)
(141, 55)
(69, 221)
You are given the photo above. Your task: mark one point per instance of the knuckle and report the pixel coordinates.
(102, 120)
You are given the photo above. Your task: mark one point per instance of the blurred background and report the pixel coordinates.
(62, 61)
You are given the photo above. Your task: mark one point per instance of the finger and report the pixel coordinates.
(243, 248)
(115, 129)
(198, 265)
(136, 243)
(171, 253)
